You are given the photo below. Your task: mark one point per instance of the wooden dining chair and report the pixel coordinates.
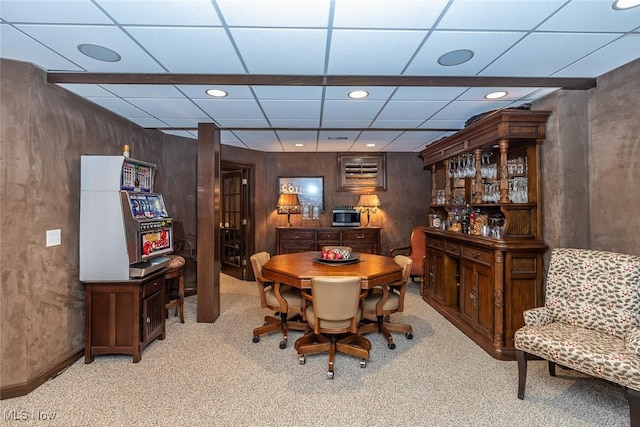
(333, 314)
(291, 305)
(385, 300)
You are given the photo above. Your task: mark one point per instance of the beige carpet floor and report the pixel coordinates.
(214, 375)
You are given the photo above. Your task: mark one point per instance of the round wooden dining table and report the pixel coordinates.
(297, 269)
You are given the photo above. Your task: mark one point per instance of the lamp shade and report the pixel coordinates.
(288, 200)
(369, 201)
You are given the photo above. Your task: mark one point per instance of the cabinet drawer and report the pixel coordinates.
(298, 235)
(477, 254)
(452, 248)
(153, 286)
(332, 236)
(359, 235)
(435, 243)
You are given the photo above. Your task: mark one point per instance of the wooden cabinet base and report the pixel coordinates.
(298, 239)
(123, 317)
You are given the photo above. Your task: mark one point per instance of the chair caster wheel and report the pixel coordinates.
(363, 363)
(256, 339)
(302, 360)
(391, 346)
(409, 336)
(329, 375)
(283, 345)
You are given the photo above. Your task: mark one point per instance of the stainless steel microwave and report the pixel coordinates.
(346, 218)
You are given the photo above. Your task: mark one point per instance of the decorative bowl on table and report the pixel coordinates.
(335, 253)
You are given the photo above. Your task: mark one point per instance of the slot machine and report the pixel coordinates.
(125, 230)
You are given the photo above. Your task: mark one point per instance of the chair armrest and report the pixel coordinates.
(406, 250)
(632, 341)
(538, 316)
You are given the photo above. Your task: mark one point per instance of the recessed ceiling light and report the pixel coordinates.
(455, 57)
(100, 53)
(496, 95)
(216, 93)
(371, 145)
(358, 94)
(299, 144)
(625, 4)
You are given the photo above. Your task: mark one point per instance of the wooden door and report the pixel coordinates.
(233, 250)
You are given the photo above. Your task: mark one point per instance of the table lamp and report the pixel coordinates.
(288, 202)
(369, 203)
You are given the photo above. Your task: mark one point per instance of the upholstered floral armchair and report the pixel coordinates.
(590, 321)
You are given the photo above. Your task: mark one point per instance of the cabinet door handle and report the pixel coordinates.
(359, 236)
(475, 254)
(148, 319)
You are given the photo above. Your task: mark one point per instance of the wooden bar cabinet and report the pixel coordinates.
(482, 278)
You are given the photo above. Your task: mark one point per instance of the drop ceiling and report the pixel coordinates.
(288, 65)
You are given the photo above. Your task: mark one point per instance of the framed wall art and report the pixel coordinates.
(310, 190)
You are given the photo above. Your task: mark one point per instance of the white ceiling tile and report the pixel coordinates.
(280, 109)
(121, 107)
(444, 124)
(498, 14)
(242, 123)
(404, 146)
(169, 108)
(486, 47)
(416, 14)
(467, 109)
(190, 50)
(418, 136)
(275, 13)
(65, 40)
(351, 53)
(377, 136)
(87, 90)
(52, 12)
(273, 146)
(351, 135)
(297, 136)
(613, 55)
(345, 123)
(427, 93)
(397, 123)
(165, 12)
(281, 51)
(356, 109)
(18, 46)
(185, 123)
(288, 122)
(148, 122)
(411, 110)
(532, 56)
(143, 91)
(592, 16)
(334, 146)
(222, 108)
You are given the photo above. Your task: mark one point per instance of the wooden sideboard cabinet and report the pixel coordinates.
(483, 283)
(297, 239)
(123, 317)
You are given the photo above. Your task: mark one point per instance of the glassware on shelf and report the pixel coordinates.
(518, 190)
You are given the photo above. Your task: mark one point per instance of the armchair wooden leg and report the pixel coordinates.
(552, 368)
(521, 356)
(633, 397)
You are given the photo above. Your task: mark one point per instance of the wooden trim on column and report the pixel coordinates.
(208, 202)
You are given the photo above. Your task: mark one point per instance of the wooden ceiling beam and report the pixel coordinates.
(569, 83)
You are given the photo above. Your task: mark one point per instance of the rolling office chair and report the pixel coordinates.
(385, 300)
(333, 315)
(268, 299)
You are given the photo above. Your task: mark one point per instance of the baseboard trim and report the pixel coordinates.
(17, 390)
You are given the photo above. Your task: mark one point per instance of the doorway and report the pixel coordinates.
(236, 214)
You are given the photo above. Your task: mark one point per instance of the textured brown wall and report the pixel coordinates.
(591, 165)
(44, 131)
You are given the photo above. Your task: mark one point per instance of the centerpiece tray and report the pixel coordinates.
(353, 258)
